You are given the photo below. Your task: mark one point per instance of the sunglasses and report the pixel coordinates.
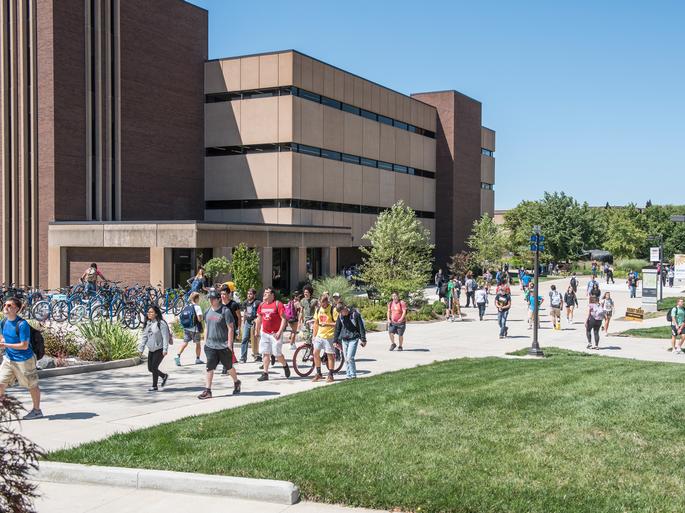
(9, 305)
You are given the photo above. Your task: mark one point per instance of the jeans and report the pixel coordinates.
(154, 360)
(592, 325)
(90, 288)
(633, 291)
(247, 328)
(470, 296)
(350, 350)
(481, 310)
(502, 321)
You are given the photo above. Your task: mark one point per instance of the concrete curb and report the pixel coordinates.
(267, 490)
(90, 367)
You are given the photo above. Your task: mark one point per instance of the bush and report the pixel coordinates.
(110, 341)
(372, 312)
(176, 329)
(332, 284)
(59, 342)
(18, 456)
(425, 313)
(439, 308)
(628, 264)
(88, 353)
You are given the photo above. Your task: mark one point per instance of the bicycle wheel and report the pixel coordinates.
(303, 360)
(41, 311)
(60, 311)
(129, 317)
(99, 313)
(178, 305)
(338, 362)
(77, 313)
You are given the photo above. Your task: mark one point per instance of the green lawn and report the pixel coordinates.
(655, 332)
(566, 433)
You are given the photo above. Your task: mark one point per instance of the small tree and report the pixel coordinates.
(245, 269)
(18, 455)
(400, 256)
(333, 284)
(460, 263)
(216, 267)
(487, 242)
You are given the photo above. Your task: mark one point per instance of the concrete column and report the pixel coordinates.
(266, 262)
(329, 257)
(298, 266)
(160, 266)
(57, 267)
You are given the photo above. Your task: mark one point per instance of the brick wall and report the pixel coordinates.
(128, 265)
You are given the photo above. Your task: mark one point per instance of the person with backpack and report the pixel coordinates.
(555, 303)
(322, 337)
(23, 346)
(503, 304)
(439, 280)
(226, 294)
(397, 321)
(676, 316)
(156, 336)
(481, 299)
(471, 286)
(591, 285)
(671, 276)
(269, 327)
(574, 283)
(571, 302)
(594, 321)
(292, 315)
(191, 320)
(90, 278)
(249, 308)
(608, 306)
(632, 283)
(349, 331)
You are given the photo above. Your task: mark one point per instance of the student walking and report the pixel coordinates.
(439, 279)
(19, 363)
(349, 331)
(571, 302)
(156, 337)
(397, 321)
(676, 316)
(227, 301)
(574, 283)
(671, 276)
(632, 283)
(292, 315)
(555, 303)
(219, 333)
(322, 337)
(191, 320)
(471, 287)
(481, 299)
(594, 322)
(610, 274)
(608, 307)
(269, 327)
(249, 309)
(503, 304)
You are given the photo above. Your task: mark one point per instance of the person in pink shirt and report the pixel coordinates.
(397, 321)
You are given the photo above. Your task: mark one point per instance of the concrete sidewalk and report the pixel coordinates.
(89, 407)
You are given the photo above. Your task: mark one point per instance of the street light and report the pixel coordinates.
(537, 242)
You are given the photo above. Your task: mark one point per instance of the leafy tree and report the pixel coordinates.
(216, 267)
(625, 236)
(461, 263)
(400, 255)
(487, 242)
(333, 284)
(245, 269)
(18, 455)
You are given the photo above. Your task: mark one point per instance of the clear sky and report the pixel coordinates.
(586, 97)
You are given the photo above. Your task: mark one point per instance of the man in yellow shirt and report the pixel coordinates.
(324, 330)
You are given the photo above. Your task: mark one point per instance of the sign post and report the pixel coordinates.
(537, 242)
(650, 282)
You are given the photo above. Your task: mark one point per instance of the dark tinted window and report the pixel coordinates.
(400, 169)
(369, 162)
(401, 125)
(309, 150)
(330, 154)
(330, 102)
(369, 115)
(310, 96)
(385, 165)
(349, 108)
(385, 119)
(353, 159)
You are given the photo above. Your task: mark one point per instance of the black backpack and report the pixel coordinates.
(669, 314)
(35, 339)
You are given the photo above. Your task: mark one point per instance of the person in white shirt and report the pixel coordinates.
(481, 298)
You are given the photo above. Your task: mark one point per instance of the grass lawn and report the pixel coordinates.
(655, 332)
(567, 433)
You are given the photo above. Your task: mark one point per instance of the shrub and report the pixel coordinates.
(627, 264)
(425, 313)
(18, 456)
(88, 352)
(59, 342)
(111, 341)
(372, 312)
(176, 329)
(332, 284)
(439, 308)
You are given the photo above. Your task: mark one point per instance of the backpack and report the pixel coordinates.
(443, 289)
(36, 339)
(669, 314)
(188, 317)
(555, 298)
(291, 311)
(574, 282)
(91, 275)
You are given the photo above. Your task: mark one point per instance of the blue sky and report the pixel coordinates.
(586, 97)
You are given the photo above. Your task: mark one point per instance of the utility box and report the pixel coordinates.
(649, 290)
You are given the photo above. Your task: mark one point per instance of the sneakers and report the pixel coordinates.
(330, 379)
(224, 371)
(258, 358)
(152, 389)
(33, 414)
(177, 360)
(393, 346)
(236, 387)
(206, 394)
(263, 377)
(286, 369)
(400, 348)
(678, 351)
(589, 346)
(198, 361)
(243, 360)
(316, 378)
(164, 379)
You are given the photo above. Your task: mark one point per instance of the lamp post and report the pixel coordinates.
(536, 244)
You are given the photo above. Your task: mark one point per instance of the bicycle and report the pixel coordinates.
(303, 357)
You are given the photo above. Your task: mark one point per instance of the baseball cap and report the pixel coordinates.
(213, 295)
(336, 294)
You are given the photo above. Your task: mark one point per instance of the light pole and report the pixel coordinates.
(536, 244)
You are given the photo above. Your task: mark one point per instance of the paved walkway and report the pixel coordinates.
(88, 407)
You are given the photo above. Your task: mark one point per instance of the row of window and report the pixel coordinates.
(487, 152)
(303, 204)
(325, 100)
(221, 151)
(487, 186)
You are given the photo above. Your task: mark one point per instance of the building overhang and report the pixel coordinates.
(193, 234)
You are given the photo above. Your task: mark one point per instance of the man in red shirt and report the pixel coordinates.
(397, 320)
(269, 327)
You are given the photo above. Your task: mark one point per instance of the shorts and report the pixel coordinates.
(191, 336)
(397, 329)
(556, 310)
(269, 345)
(216, 356)
(24, 372)
(324, 343)
(674, 331)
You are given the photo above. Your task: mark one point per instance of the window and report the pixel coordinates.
(486, 186)
(352, 159)
(487, 152)
(330, 102)
(310, 96)
(330, 154)
(349, 108)
(385, 165)
(399, 169)
(401, 125)
(385, 120)
(309, 150)
(411, 128)
(369, 115)
(369, 162)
